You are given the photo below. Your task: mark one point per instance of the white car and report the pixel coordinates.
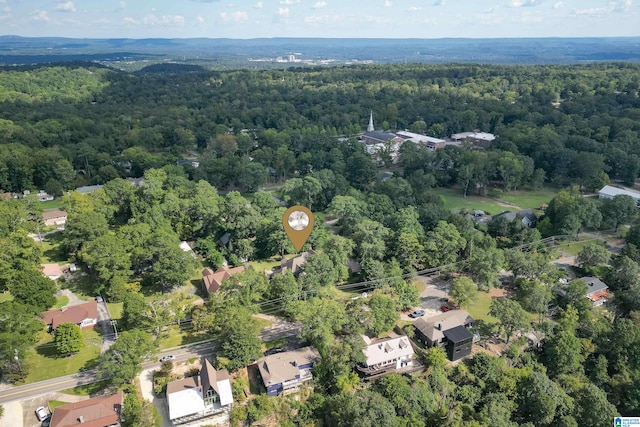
(41, 413)
(167, 357)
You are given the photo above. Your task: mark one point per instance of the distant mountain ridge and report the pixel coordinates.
(286, 52)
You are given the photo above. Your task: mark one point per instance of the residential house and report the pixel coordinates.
(52, 271)
(103, 411)
(597, 291)
(211, 280)
(136, 182)
(43, 196)
(203, 395)
(186, 248)
(479, 139)
(609, 192)
(427, 142)
(449, 330)
(57, 217)
(284, 373)
(294, 264)
(386, 355)
(526, 216)
(84, 315)
(188, 162)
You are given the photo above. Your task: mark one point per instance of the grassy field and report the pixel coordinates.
(174, 336)
(52, 204)
(573, 248)
(61, 301)
(515, 200)
(52, 251)
(87, 389)
(44, 362)
(115, 310)
(479, 310)
(266, 264)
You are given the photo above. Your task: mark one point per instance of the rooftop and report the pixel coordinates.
(97, 412)
(383, 350)
(434, 327)
(608, 190)
(72, 314)
(281, 367)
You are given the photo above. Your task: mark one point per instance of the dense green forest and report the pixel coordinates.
(64, 126)
(77, 124)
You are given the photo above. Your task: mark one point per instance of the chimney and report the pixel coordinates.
(439, 326)
(80, 419)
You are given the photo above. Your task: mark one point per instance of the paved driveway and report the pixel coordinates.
(430, 298)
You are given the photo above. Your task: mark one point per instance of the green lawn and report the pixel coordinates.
(479, 310)
(572, 248)
(52, 251)
(87, 389)
(61, 301)
(52, 204)
(84, 287)
(174, 336)
(268, 345)
(266, 264)
(45, 364)
(115, 310)
(454, 200)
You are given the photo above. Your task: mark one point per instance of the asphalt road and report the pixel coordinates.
(27, 391)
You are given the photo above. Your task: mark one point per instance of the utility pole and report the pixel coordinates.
(115, 331)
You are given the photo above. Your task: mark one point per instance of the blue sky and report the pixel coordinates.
(320, 18)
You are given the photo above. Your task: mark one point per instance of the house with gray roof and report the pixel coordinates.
(449, 330)
(284, 373)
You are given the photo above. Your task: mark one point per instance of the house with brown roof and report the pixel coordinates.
(52, 271)
(212, 280)
(294, 264)
(201, 396)
(57, 217)
(284, 373)
(84, 315)
(449, 330)
(103, 411)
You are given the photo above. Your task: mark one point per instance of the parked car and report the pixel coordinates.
(42, 413)
(167, 357)
(445, 308)
(99, 299)
(416, 313)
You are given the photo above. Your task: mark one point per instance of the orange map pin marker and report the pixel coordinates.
(298, 222)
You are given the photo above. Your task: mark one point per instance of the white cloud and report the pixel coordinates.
(165, 20)
(123, 4)
(102, 21)
(234, 16)
(129, 21)
(283, 11)
(558, 5)
(258, 5)
(388, 3)
(590, 11)
(6, 13)
(71, 21)
(40, 15)
(200, 19)
(619, 5)
(320, 5)
(66, 6)
(314, 19)
(439, 3)
(289, 2)
(415, 8)
(378, 19)
(524, 3)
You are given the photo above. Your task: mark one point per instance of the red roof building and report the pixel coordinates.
(84, 315)
(97, 412)
(211, 280)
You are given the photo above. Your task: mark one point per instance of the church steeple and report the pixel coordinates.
(370, 128)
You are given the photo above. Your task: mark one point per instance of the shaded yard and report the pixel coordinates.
(44, 362)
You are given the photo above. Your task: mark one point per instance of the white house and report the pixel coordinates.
(198, 397)
(386, 354)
